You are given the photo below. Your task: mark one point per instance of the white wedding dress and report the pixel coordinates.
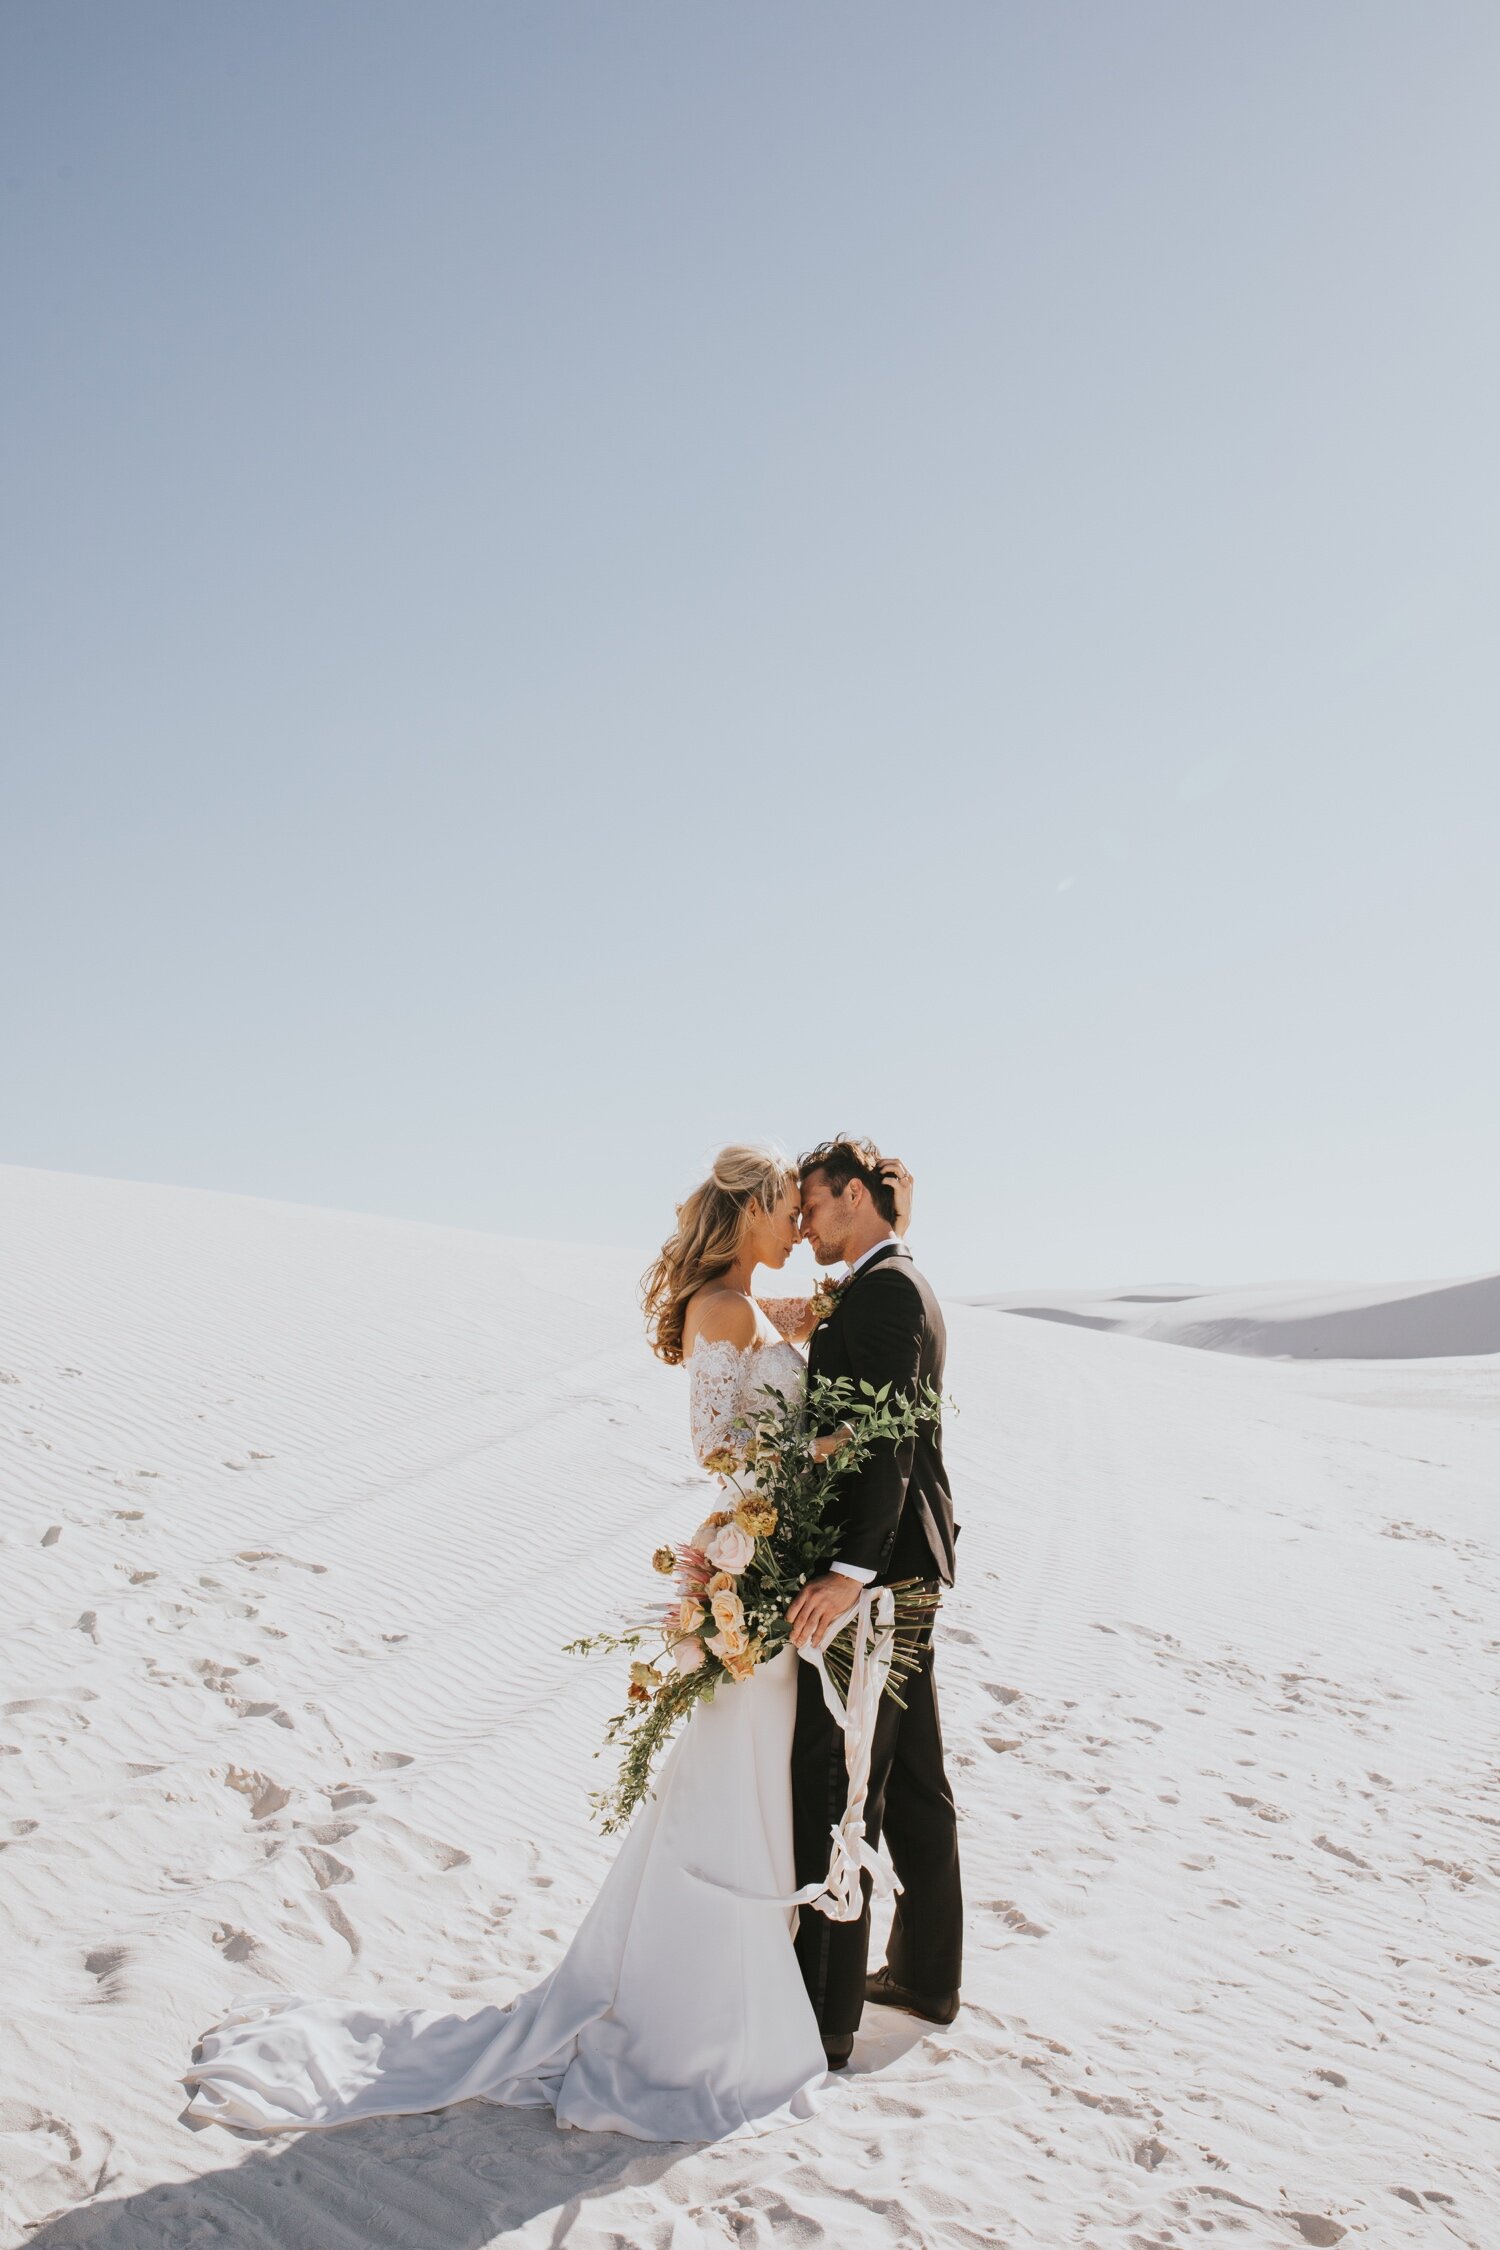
(678, 2011)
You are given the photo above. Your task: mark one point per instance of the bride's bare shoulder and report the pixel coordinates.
(719, 1315)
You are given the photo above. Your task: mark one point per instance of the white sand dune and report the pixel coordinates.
(1280, 1320)
(298, 1509)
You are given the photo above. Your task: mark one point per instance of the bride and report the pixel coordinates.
(678, 2011)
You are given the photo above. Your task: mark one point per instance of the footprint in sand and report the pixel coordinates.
(42, 2149)
(252, 1555)
(271, 1711)
(217, 1677)
(107, 1965)
(327, 1867)
(235, 1944)
(1015, 1917)
(1342, 1851)
(1458, 1875)
(57, 1709)
(266, 1796)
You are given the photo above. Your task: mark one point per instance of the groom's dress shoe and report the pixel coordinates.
(932, 2007)
(837, 2051)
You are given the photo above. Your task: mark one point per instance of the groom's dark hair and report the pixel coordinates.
(844, 1159)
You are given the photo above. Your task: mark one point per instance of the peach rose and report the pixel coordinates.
(730, 1548)
(728, 1643)
(687, 1654)
(689, 1614)
(741, 1666)
(729, 1615)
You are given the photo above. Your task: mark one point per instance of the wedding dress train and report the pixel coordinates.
(678, 2011)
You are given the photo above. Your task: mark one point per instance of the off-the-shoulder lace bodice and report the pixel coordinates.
(723, 1379)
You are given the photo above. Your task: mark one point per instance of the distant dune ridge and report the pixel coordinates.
(1281, 1320)
(296, 1511)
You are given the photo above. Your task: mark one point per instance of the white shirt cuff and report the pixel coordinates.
(853, 1570)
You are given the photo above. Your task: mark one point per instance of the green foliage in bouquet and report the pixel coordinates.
(737, 1577)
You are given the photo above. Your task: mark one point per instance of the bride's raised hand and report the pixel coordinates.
(902, 1187)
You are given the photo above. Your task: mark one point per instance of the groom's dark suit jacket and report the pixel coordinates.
(896, 1511)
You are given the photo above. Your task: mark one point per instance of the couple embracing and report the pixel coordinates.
(719, 1973)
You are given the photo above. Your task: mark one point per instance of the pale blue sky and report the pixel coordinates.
(581, 581)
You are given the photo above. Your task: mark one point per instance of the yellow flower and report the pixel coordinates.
(665, 1561)
(722, 1462)
(758, 1517)
(646, 1676)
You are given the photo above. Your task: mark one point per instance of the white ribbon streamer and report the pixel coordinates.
(840, 1894)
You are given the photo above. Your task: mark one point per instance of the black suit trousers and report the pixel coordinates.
(911, 1804)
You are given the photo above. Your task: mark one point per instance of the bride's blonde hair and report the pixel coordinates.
(710, 1224)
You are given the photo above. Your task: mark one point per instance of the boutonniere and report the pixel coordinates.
(825, 1299)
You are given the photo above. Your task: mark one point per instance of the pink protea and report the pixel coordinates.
(693, 1570)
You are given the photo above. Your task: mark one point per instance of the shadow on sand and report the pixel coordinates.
(453, 2179)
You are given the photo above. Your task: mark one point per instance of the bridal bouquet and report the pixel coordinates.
(736, 1577)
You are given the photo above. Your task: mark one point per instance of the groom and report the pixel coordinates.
(897, 1521)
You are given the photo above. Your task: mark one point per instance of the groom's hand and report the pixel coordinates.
(819, 1603)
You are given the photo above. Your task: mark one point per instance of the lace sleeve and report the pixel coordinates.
(714, 1398)
(790, 1316)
